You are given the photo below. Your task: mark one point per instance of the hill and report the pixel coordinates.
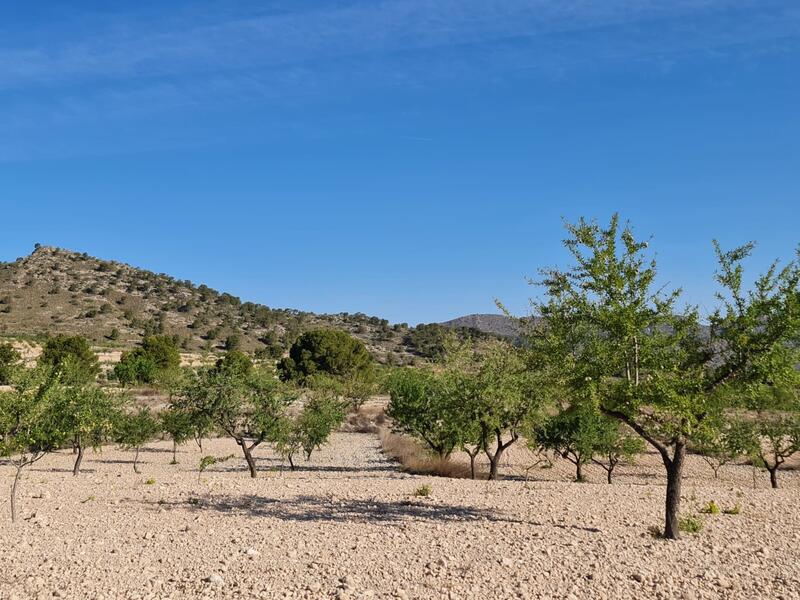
(114, 304)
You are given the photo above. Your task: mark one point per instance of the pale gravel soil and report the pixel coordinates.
(347, 525)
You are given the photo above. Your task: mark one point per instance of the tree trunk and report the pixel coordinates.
(773, 477)
(78, 459)
(579, 471)
(291, 462)
(136, 461)
(248, 456)
(174, 452)
(14, 495)
(608, 475)
(472, 458)
(674, 468)
(494, 459)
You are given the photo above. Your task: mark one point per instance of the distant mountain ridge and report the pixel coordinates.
(501, 325)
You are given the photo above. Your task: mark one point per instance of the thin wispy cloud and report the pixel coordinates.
(166, 63)
(364, 29)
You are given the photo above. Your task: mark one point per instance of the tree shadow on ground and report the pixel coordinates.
(321, 509)
(273, 465)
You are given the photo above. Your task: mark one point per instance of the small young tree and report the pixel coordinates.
(498, 396)
(133, 430)
(87, 414)
(29, 425)
(615, 443)
(573, 434)
(321, 415)
(247, 408)
(769, 432)
(178, 424)
(720, 441)
(775, 439)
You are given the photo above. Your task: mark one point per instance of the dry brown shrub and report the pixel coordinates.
(414, 458)
(367, 419)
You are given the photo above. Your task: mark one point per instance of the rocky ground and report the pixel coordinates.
(348, 525)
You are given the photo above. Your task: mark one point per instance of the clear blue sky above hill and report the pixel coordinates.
(411, 159)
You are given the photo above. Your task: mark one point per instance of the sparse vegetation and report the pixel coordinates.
(690, 524)
(423, 491)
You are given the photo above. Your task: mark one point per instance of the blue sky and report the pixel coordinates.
(411, 159)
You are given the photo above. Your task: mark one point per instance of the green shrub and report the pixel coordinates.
(711, 508)
(690, 524)
(734, 510)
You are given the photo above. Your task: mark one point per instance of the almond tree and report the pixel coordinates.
(614, 336)
(245, 406)
(615, 443)
(420, 406)
(321, 414)
(133, 430)
(494, 396)
(180, 427)
(770, 434)
(86, 414)
(29, 425)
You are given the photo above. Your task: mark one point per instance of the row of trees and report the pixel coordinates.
(58, 404)
(484, 403)
(612, 354)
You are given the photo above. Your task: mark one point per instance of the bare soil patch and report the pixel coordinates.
(347, 525)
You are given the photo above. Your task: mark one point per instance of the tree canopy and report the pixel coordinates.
(325, 352)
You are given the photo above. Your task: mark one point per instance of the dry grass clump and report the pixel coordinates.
(369, 418)
(414, 458)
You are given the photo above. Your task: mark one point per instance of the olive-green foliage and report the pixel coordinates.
(580, 434)
(616, 443)
(87, 415)
(321, 414)
(178, 424)
(420, 406)
(773, 435)
(719, 440)
(30, 426)
(62, 348)
(481, 400)
(133, 429)
(429, 340)
(246, 407)
(208, 461)
(691, 524)
(234, 361)
(233, 342)
(158, 353)
(615, 337)
(10, 361)
(325, 351)
(573, 434)
(423, 491)
(432, 340)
